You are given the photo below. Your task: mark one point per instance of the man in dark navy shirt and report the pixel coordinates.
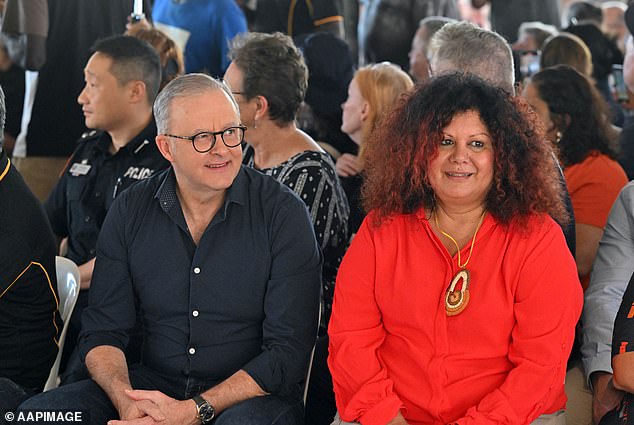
(122, 80)
(29, 322)
(224, 266)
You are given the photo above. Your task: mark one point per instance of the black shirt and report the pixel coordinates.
(92, 179)
(623, 336)
(302, 16)
(246, 297)
(29, 322)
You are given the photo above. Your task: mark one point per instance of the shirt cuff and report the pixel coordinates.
(596, 364)
(88, 342)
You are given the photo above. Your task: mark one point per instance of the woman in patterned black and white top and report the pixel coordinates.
(268, 76)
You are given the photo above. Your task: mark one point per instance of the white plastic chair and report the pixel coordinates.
(68, 281)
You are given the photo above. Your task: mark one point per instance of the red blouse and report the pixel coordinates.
(502, 360)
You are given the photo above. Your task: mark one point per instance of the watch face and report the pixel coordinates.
(205, 410)
(206, 413)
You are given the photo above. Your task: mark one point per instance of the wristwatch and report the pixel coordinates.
(206, 412)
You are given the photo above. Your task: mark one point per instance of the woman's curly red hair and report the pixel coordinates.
(525, 178)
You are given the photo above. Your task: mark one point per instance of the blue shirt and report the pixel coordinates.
(202, 29)
(246, 297)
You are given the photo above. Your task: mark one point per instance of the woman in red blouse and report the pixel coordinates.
(458, 298)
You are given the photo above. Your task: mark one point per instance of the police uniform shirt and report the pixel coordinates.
(92, 179)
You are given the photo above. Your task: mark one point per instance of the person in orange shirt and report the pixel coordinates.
(576, 120)
(458, 297)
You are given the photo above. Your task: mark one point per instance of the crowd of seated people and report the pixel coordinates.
(452, 241)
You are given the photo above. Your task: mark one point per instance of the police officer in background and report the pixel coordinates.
(122, 78)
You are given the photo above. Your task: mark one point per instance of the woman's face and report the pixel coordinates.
(461, 174)
(355, 110)
(531, 94)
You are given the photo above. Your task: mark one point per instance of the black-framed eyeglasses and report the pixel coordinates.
(206, 140)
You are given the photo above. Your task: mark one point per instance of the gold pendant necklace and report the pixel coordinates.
(456, 300)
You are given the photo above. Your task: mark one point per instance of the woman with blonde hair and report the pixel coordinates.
(372, 94)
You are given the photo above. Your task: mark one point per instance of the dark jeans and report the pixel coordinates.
(11, 395)
(88, 397)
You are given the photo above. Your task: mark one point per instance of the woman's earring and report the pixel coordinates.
(558, 137)
(255, 124)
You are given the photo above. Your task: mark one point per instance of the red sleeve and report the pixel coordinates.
(363, 390)
(548, 301)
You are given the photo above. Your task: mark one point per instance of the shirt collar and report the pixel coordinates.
(237, 193)
(135, 146)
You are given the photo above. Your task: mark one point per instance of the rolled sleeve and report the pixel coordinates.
(291, 303)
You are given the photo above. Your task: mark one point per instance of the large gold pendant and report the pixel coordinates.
(456, 300)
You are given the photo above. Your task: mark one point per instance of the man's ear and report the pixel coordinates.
(137, 91)
(164, 146)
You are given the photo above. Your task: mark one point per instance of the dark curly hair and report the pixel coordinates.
(578, 111)
(525, 177)
(274, 68)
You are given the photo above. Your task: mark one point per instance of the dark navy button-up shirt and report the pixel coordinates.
(246, 297)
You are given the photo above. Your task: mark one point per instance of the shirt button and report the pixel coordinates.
(192, 351)
(87, 219)
(195, 313)
(97, 194)
(91, 251)
(196, 270)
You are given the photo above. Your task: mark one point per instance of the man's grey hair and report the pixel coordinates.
(461, 46)
(185, 86)
(432, 25)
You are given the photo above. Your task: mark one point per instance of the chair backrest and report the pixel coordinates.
(68, 282)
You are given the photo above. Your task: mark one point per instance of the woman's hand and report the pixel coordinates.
(348, 165)
(398, 420)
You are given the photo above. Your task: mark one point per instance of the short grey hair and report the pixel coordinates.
(461, 46)
(185, 86)
(432, 25)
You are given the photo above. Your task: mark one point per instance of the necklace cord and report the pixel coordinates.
(456, 243)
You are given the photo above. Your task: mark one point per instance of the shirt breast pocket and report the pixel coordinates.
(76, 187)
